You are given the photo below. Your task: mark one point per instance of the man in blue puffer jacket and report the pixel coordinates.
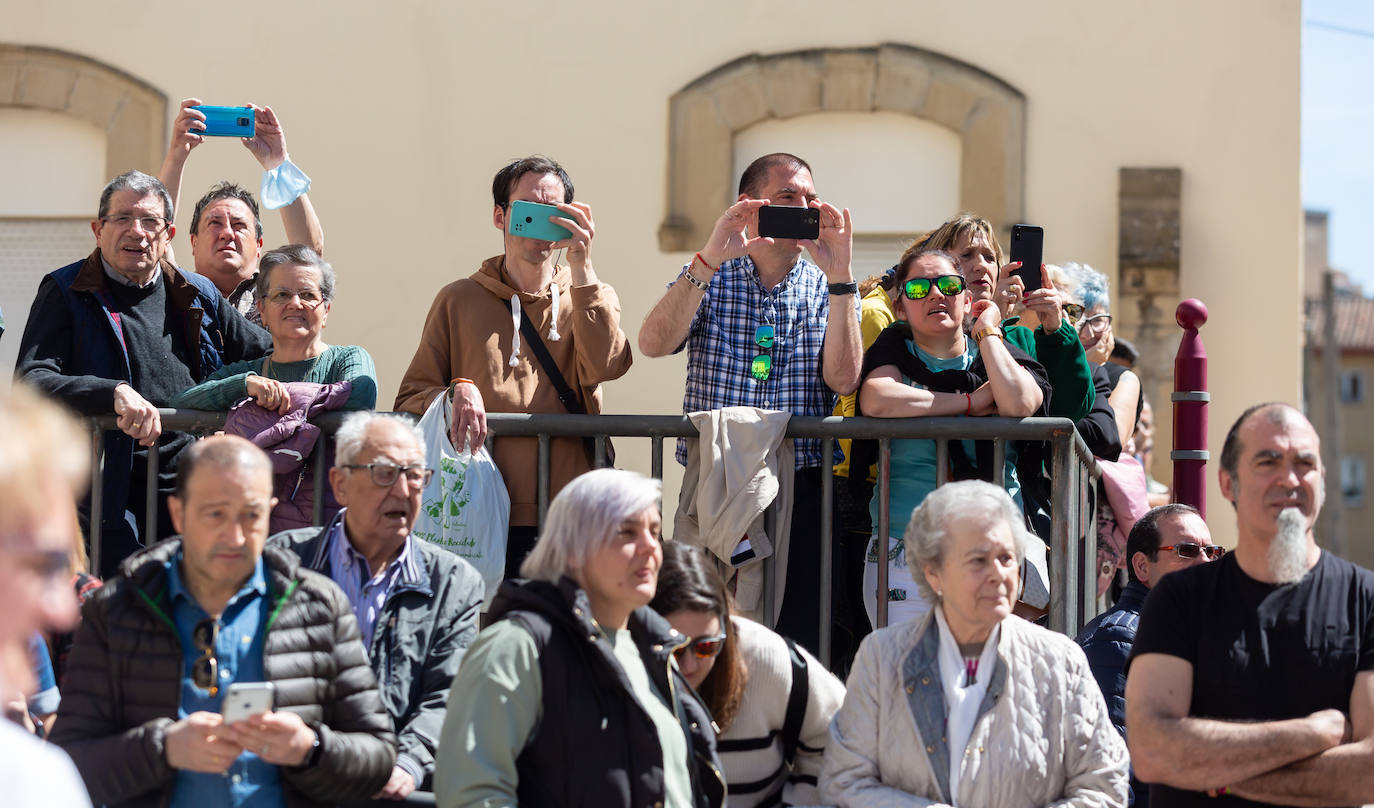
(1165, 539)
(122, 331)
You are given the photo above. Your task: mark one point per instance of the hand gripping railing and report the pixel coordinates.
(1073, 547)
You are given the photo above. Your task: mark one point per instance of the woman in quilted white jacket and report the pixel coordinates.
(969, 705)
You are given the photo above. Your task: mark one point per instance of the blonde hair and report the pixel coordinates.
(40, 443)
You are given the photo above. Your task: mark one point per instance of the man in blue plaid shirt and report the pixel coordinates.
(758, 322)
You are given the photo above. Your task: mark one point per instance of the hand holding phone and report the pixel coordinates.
(244, 699)
(1028, 247)
(531, 220)
(227, 121)
(782, 221)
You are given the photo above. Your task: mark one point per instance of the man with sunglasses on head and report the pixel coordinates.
(765, 327)
(1168, 538)
(416, 604)
(1251, 681)
(161, 645)
(122, 331)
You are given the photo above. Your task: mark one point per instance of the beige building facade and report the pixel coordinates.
(401, 113)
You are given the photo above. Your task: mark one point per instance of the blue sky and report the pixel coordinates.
(1338, 127)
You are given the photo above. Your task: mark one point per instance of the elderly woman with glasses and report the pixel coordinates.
(926, 365)
(770, 699)
(571, 696)
(971, 705)
(1088, 289)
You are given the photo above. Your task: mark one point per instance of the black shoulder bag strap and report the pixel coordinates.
(796, 703)
(570, 400)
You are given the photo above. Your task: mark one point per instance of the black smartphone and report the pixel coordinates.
(781, 221)
(1028, 247)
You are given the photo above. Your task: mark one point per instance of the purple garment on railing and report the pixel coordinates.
(289, 441)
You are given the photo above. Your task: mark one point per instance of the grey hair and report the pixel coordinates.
(928, 531)
(140, 183)
(584, 517)
(293, 254)
(348, 441)
(1089, 286)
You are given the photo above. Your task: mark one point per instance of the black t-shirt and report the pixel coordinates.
(1260, 652)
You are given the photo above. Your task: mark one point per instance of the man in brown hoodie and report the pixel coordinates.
(472, 341)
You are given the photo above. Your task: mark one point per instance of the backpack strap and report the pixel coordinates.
(571, 402)
(796, 703)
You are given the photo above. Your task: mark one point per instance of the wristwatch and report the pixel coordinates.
(990, 331)
(850, 288)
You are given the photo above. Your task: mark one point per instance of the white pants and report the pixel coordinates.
(904, 602)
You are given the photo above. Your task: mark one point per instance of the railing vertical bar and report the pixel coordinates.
(601, 452)
(1063, 544)
(656, 456)
(884, 529)
(770, 569)
(317, 457)
(999, 462)
(97, 500)
(941, 461)
(827, 592)
(543, 477)
(150, 535)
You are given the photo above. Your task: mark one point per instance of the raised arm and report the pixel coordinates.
(268, 145)
(184, 138)
(843, 352)
(666, 326)
(603, 352)
(1169, 746)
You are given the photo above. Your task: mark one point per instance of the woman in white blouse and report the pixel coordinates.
(970, 705)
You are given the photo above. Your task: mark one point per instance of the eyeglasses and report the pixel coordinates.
(1191, 550)
(384, 474)
(762, 366)
(702, 647)
(309, 297)
(152, 225)
(1073, 312)
(205, 671)
(917, 288)
(1098, 322)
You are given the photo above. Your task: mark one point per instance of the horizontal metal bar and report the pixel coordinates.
(1190, 454)
(1191, 395)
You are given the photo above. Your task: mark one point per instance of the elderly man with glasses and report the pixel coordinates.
(416, 604)
(186, 623)
(1168, 538)
(122, 331)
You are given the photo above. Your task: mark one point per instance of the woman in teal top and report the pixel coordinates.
(933, 302)
(295, 289)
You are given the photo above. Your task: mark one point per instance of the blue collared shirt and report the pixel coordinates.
(249, 782)
(367, 593)
(721, 348)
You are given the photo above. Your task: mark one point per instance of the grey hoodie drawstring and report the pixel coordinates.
(553, 324)
(515, 330)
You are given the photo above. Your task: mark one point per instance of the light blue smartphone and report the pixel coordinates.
(228, 121)
(531, 220)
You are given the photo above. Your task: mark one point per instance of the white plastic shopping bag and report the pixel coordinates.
(465, 509)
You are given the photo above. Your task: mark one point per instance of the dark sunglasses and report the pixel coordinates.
(917, 288)
(1191, 550)
(1073, 312)
(205, 671)
(702, 647)
(762, 366)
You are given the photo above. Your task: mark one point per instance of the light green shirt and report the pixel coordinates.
(677, 781)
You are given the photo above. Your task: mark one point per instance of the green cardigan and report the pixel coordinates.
(1062, 355)
(228, 386)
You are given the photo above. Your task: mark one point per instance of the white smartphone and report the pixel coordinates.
(243, 699)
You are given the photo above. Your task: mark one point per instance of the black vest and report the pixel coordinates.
(594, 744)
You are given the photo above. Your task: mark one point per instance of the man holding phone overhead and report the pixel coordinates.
(191, 620)
(764, 327)
(226, 228)
(523, 333)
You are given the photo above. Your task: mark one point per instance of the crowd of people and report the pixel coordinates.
(611, 667)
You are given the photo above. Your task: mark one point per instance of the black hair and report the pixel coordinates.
(508, 176)
(1144, 536)
(227, 190)
(757, 171)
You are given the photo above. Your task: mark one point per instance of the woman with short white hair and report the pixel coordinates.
(971, 705)
(570, 696)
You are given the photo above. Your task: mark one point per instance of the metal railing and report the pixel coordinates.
(1073, 471)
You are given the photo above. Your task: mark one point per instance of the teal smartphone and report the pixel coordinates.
(228, 121)
(531, 220)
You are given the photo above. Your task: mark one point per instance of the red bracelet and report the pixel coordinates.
(703, 263)
(968, 410)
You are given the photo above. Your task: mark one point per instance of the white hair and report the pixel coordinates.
(927, 532)
(348, 441)
(1287, 554)
(585, 516)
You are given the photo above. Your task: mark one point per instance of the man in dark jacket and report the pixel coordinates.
(1165, 539)
(122, 331)
(190, 617)
(417, 604)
